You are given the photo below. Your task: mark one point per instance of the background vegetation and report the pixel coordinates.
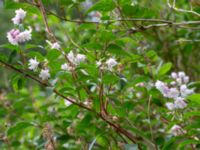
(149, 39)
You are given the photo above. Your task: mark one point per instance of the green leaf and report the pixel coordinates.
(164, 69)
(194, 98)
(103, 5)
(18, 127)
(53, 54)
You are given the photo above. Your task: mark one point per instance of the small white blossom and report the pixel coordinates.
(181, 74)
(180, 103)
(66, 67)
(67, 103)
(54, 45)
(79, 58)
(12, 36)
(185, 91)
(186, 79)
(33, 64)
(71, 57)
(20, 15)
(111, 63)
(15, 36)
(44, 74)
(179, 81)
(174, 75)
(162, 87)
(98, 63)
(24, 36)
(173, 93)
(176, 130)
(170, 106)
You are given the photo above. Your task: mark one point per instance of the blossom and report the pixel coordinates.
(44, 74)
(15, 36)
(170, 106)
(33, 64)
(12, 36)
(20, 15)
(80, 58)
(181, 74)
(54, 45)
(185, 91)
(66, 67)
(180, 103)
(111, 63)
(71, 56)
(67, 103)
(76, 59)
(162, 87)
(174, 75)
(173, 93)
(176, 130)
(186, 79)
(24, 36)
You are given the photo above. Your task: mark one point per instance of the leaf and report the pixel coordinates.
(53, 54)
(92, 144)
(164, 69)
(103, 5)
(17, 127)
(194, 98)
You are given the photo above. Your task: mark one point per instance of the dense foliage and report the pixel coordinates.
(95, 75)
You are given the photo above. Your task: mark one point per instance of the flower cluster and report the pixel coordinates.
(54, 45)
(20, 14)
(74, 59)
(177, 90)
(177, 130)
(33, 65)
(15, 36)
(110, 64)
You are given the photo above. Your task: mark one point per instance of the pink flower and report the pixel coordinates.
(20, 15)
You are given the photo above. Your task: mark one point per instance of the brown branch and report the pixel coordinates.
(117, 127)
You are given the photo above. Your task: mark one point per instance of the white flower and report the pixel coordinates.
(180, 103)
(44, 74)
(173, 83)
(66, 67)
(162, 87)
(139, 95)
(185, 91)
(176, 130)
(76, 59)
(71, 57)
(181, 74)
(186, 79)
(55, 45)
(67, 103)
(170, 106)
(111, 63)
(20, 15)
(174, 75)
(12, 36)
(33, 64)
(24, 36)
(79, 58)
(173, 93)
(179, 81)
(98, 63)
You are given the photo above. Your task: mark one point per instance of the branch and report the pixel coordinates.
(117, 127)
(181, 10)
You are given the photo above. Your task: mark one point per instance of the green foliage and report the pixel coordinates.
(65, 111)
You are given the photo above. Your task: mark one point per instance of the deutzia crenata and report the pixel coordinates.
(19, 17)
(33, 64)
(44, 74)
(111, 63)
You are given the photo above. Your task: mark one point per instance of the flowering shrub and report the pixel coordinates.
(79, 81)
